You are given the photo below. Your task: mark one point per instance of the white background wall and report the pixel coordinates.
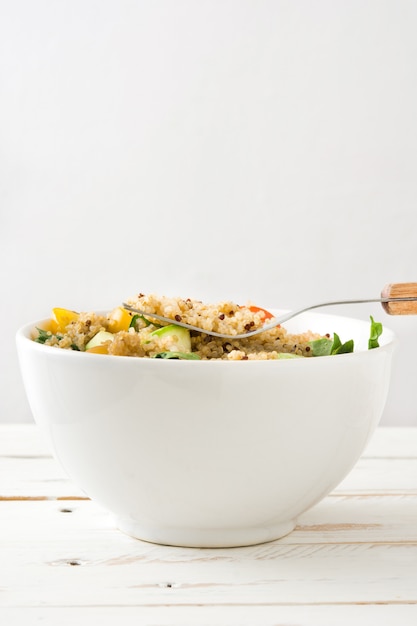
(261, 150)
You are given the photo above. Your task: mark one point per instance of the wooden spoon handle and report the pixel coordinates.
(400, 290)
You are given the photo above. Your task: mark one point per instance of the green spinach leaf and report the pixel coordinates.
(326, 346)
(376, 332)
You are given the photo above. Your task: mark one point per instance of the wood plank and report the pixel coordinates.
(392, 442)
(281, 615)
(372, 575)
(336, 520)
(23, 440)
(351, 559)
(358, 519)
(339, 554)
(34, 477)
(381, 476)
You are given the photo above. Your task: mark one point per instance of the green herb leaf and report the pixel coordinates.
(190, 356)
(43, 336)
(337, 344)
(376, 332)
(344, 348)
(148, 322)
(133, 321)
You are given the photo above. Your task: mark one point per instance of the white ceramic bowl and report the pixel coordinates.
(209, 453)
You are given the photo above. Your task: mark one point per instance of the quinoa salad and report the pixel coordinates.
(121, 332)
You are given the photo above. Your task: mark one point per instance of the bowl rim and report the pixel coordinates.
(389, 340)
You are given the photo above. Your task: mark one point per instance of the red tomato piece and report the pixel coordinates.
(266, 314)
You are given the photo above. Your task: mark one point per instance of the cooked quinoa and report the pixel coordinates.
(141, 336)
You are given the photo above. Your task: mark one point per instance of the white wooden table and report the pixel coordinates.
(351, 560)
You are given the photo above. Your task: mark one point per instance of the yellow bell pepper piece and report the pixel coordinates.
(61, 318)
(119, 319)
(102, 349)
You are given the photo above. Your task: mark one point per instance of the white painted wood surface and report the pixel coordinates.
(351, 560)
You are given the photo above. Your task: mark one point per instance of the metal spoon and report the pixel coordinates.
(396, 299)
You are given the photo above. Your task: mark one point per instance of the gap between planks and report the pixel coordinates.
(334, 494)
(167, 604)
(40, 498)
